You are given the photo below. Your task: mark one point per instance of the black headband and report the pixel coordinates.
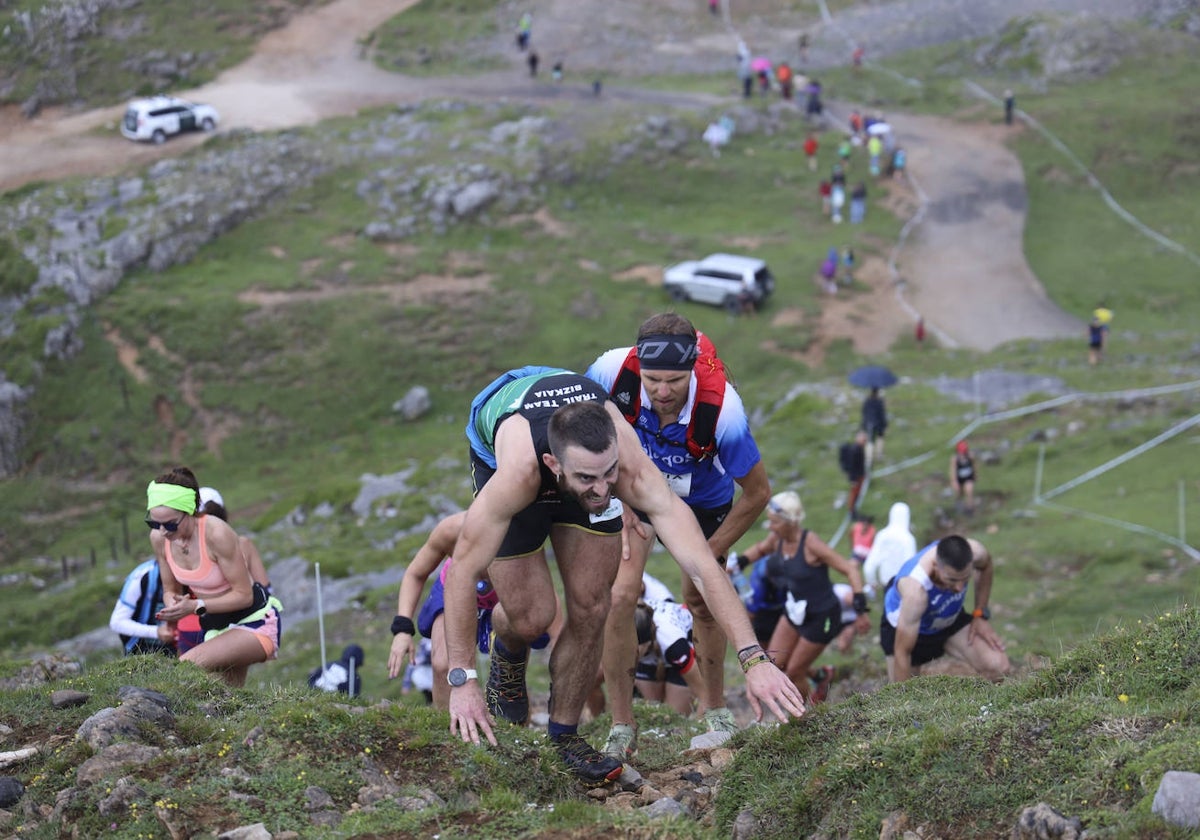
(667, 352)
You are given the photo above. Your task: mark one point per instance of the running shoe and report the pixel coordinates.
(821, 690)
(585, 761)
(721, 720)
(621, 743)
(507, 697)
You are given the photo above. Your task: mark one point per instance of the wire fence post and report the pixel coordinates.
(1037, 475)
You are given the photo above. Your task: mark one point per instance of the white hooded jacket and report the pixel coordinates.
(894, 545)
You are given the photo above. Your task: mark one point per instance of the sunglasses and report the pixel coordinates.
(169, 527)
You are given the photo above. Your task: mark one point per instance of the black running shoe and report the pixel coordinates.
(586, 762)
(507, 698)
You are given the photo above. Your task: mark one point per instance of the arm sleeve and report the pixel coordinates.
(121, 621)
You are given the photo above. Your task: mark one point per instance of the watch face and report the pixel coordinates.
(457, 677)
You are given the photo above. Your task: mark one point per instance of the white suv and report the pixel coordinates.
(722, 280)
(156, 118)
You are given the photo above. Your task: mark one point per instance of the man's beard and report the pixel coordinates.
(588, 501)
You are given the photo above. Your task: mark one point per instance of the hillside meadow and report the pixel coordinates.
(302, 392)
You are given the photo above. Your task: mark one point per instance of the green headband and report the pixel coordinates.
(172, 496)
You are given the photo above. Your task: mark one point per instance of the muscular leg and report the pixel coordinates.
(620, 637)
(783, 642)
(710, 648)
(803, 656)
(587, 564)
(230, 655)
(985, 660)
(527, 599)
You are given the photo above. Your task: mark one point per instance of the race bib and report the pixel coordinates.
(614, 511)
(681, 485)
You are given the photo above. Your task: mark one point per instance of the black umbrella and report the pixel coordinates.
(872, 376)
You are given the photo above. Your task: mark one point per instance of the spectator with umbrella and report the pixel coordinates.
(874, 409)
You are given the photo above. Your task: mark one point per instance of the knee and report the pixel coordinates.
(592, 614)
(996, 667)
(529, 624)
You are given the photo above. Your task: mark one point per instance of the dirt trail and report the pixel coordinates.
(964, 267)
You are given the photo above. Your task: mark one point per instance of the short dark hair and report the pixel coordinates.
(955, 552)
(587, 424)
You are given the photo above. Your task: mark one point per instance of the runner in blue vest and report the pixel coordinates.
(671, 405)
(924, 618)
(553, 458)
(133, 616)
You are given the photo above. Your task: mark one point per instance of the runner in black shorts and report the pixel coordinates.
(555, 458)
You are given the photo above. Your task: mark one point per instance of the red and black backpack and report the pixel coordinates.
(710, 394)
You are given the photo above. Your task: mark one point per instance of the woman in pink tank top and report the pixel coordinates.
(203, 553)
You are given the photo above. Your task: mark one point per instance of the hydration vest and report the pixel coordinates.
(701, 438)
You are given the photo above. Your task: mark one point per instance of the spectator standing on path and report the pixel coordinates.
(962, 477)
(1010, 104)
(875, 422)
(813, 106)
(745, 74)
(837, 200)
(847, 265)
(845, 149)
(803, 43)
(554, 459)
(798, 563)
(1097, 338)
(810, 151)
(892, 546)
(874, 153)
(524, 31)
(532, 61)
(714, 6)
(556, 72)
(858, 203)
(825, 190)
(924, 618)
(856, 58)
(852, 458)
(783, 75)
(667, 385)
(828, 271)
(897, 162)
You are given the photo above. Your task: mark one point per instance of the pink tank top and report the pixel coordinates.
(206, 580)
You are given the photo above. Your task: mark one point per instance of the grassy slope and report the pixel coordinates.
(331, 371)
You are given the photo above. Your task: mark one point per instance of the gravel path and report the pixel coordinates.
(964, 269)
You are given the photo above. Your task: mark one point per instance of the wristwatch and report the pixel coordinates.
(982, 612)
(459, 676)
(200, 608)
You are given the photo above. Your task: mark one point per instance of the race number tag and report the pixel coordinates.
(680, 484)
(614, 511)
